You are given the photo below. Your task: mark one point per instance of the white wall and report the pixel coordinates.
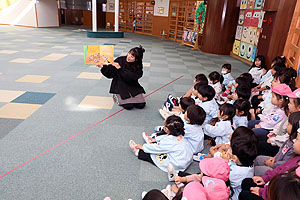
(161, 4)
(47, 13)
(20, 13)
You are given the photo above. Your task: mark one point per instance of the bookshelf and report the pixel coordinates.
(139, 13)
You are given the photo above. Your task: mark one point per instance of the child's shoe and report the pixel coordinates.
(171, 172)
(199, 156)
(153, 135)
(132, 145)
(144, 194)
(158, 128)
(225, 93)
(164, 114)
(146, 138)
(168, 105)
(168, 192)
(172, 100)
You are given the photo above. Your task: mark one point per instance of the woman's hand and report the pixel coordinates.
(258, 180)
(255, 190)
(100, 65)
(116, 65)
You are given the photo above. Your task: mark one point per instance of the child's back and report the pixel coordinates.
(170, 149)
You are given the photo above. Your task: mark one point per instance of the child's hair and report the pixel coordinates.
(285, 186)
(196, 114)
(201, 78)
(206, 91)
(185, 102)
(243, 105)
(227, 66)
(155, 194)
(216, 77)
(243, 92)
(175, 125)
(296, 101)
(243, 81)
(279, 59)
(284, 104)
(248, 76)
(294, 121)
(279, 67)
(292, 73)
(229, 110)
(262, 60)
(244, 145)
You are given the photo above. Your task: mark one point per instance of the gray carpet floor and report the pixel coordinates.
(41, 108)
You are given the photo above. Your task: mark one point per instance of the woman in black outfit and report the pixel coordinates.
(125, 72)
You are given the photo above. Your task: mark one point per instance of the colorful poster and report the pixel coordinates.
(96, 54)
(258, 4)
(255, 18)
(248, 17)
(241, 17)
(236, 47)
(243, 4)
(250, 4)
(238, 33)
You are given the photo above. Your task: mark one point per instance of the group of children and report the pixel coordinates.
(252, 125)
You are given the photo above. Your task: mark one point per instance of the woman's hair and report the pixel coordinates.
(227, 66)
(248, 76)
(196, 114)
(279, 59)
(229, 110)
(155, 194)
(262, 60)
(244, 145)
(138, 53)
(279, 67)
(175, 125)
(201, 78)
(294, 121)
(243, 105)
(185, 102)
(284, 104)
(285, 186)
(205, 91)
(216, 77)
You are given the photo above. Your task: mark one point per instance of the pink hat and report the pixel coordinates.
(215, 188)
(215, 167)
(295, 94)
(194, 191)
(281, 89)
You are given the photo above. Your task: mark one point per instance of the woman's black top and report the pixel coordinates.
(124, 80)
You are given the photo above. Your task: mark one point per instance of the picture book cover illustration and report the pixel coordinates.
(96, 54)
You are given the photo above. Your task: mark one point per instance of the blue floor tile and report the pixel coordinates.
(33, 98)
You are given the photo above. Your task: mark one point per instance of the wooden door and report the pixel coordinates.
(292, 46)
(266, 35)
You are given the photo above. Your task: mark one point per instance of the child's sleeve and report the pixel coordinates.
(213, 131)
(269, 121)
(128, 75)
(193, 177)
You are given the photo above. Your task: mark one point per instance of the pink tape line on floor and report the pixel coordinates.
(82, 131)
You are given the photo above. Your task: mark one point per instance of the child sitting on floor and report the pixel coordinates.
(216, 80)
(205, 95)
(242, 114)
(171, 148)
(228, 79)
(184, 102)
(222, 129)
